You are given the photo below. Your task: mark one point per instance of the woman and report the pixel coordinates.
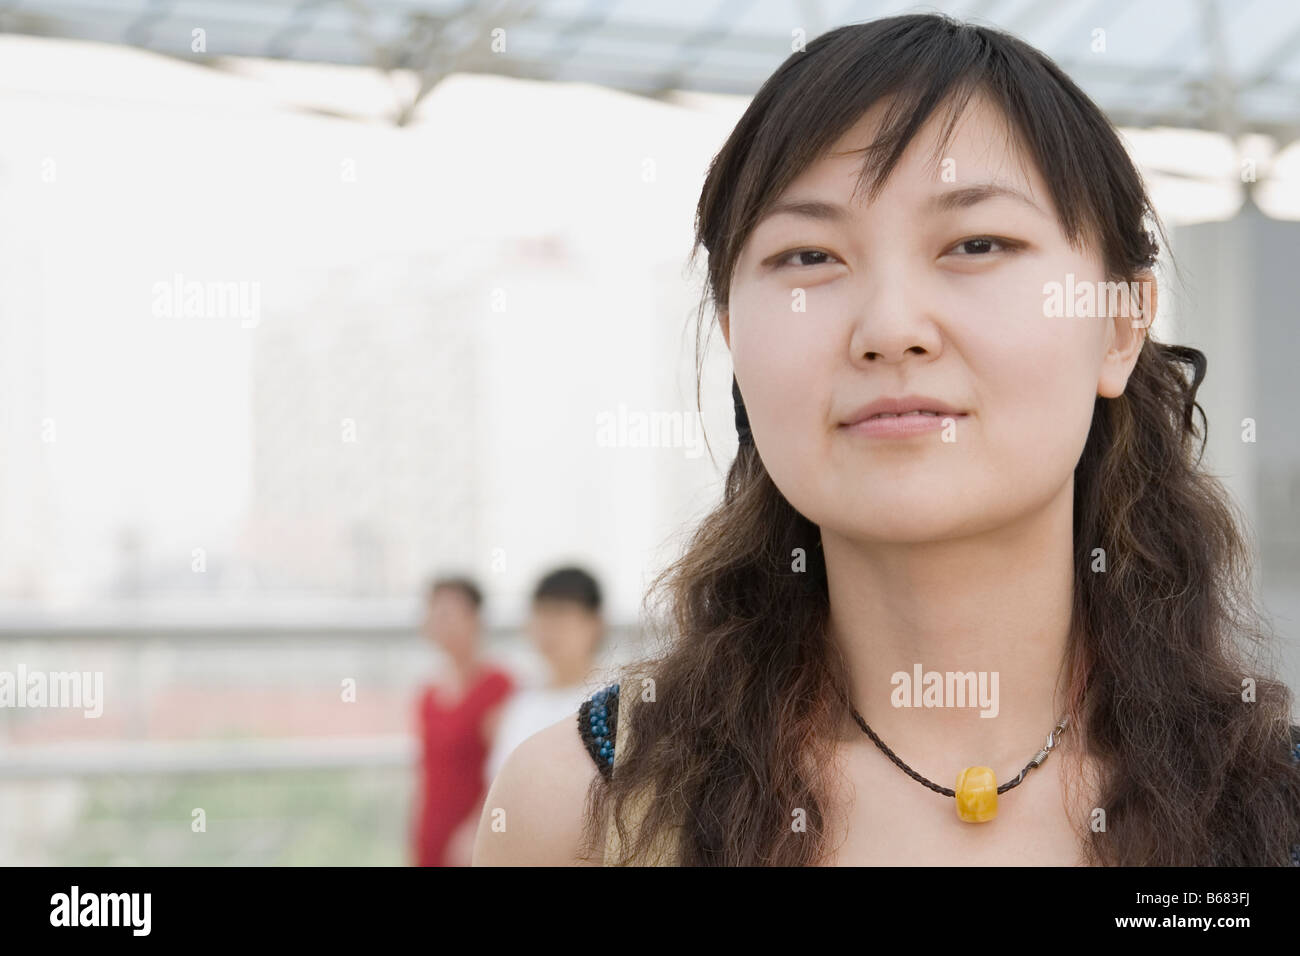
(889, 229)
(457, 718)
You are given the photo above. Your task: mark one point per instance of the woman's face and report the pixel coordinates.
(936, 289)
(451, 621)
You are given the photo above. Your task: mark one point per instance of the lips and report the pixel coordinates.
(904, 415)
(901, 407)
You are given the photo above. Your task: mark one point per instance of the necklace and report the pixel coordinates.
(977, 787)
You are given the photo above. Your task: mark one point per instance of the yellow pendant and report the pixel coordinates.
(977, 795)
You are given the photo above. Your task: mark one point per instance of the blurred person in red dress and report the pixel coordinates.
(458, 717)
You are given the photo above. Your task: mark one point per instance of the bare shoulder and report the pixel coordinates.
(534, 809)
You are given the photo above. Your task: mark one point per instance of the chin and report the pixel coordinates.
(901, 521)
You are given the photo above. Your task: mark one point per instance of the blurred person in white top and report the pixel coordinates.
(567, 627)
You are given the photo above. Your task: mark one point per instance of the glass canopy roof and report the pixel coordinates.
(1232, 67)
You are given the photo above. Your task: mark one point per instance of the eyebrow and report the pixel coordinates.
(969, 196)
(951, 199)
(807, 209)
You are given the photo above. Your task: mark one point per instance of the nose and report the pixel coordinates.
(893, 322)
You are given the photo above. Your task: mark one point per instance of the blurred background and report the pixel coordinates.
(305, 303)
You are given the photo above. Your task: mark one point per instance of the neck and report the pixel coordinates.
(997, 604)
(464, 670)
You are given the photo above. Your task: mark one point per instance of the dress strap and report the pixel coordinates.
(1295, 758)
(598, 727)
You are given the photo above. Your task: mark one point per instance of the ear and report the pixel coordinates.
(1126, 334)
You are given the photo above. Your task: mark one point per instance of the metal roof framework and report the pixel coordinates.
(1219, 65)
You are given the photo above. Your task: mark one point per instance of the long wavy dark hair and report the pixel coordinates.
(749, 690)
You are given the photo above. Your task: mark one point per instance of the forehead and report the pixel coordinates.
(555, 607)
(978, 145)
(450, 597)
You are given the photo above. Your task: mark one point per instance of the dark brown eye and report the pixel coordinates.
(983, 245)
(785, 258)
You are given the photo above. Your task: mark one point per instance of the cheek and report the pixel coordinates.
(1036, 381)
(784, 362)
(780, 357)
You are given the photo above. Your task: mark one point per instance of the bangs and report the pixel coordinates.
(912, 67)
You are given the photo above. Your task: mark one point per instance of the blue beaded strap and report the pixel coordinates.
(1295, 758)
(597, 725)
